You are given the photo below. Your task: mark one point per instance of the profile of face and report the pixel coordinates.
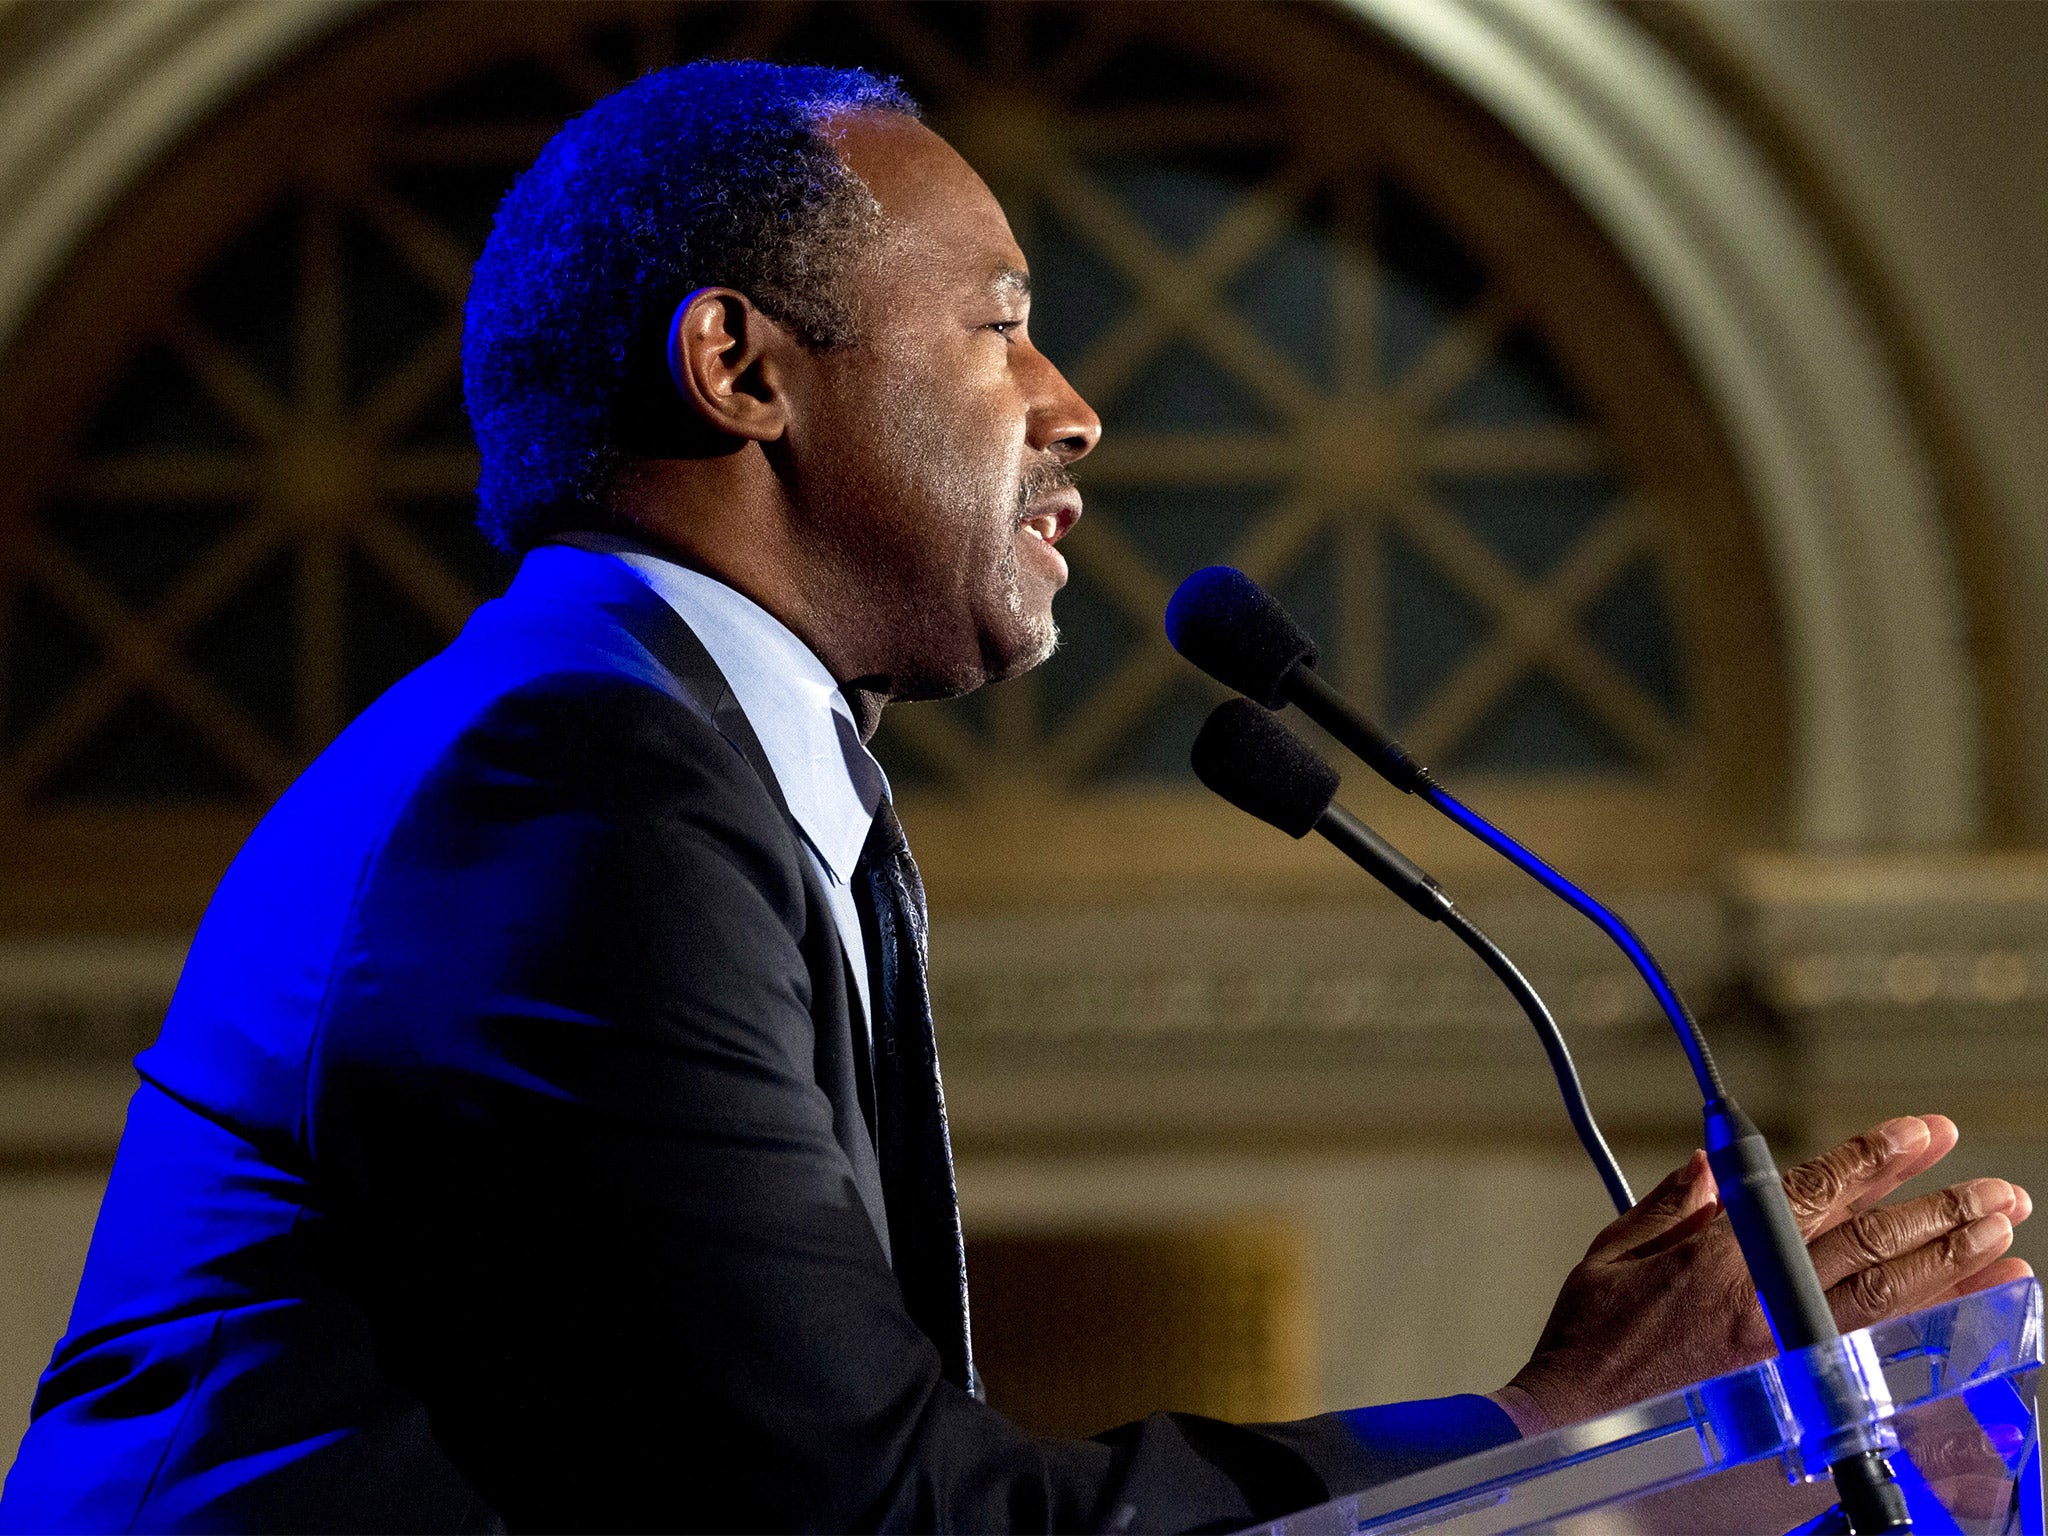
(927, 463)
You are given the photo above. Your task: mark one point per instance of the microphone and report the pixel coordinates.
(1230, 627)
(1246, 755)
(1233, 629)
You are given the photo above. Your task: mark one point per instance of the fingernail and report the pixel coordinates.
(1988, 1235)
(1905, 1134)
(1983, 1196)
(2006, 1439)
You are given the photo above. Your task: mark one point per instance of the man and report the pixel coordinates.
(546, 1131)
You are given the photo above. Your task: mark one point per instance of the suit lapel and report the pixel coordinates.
(844, 1068)
(682, 655)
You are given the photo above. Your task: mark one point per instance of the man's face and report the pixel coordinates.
(927, 462)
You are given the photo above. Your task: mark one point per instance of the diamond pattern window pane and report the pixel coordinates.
(1303, 371)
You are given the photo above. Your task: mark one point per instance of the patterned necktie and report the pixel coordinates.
(915, 1150)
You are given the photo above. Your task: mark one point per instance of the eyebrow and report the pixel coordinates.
(1011, 283)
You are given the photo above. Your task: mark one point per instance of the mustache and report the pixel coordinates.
(1042, 481)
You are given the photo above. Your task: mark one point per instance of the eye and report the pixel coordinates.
(1004, 327)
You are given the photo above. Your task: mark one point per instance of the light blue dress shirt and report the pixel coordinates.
(830, 781)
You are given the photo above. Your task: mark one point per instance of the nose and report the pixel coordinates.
(1060, 423)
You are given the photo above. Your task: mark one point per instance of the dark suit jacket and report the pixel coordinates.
(501, 1161)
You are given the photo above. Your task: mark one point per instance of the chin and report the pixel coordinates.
(1005, 638)
(1028, 641)
(1023, 659)
(1001, 658)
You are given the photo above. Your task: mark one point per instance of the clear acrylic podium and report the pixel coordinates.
(1947, 1393)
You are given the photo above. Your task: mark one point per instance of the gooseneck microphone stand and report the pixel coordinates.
(1228, 625)
(1567, 1075)
(1248, 757)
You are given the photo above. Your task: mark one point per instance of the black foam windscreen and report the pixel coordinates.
(1230, 627)
(1248, 757)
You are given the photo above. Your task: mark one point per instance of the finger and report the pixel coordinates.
(2023, 1206)
(1863, 1169)
(1682, 1230)
(1918, 1278)
(2003, 1272)
(1891, 1230)
(1958, 1453)
(1685, 1190)
(1974, 1497)
(1942, 1137)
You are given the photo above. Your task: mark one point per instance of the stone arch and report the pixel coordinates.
(1885, 748)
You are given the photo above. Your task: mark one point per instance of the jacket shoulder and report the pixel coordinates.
(531, 755)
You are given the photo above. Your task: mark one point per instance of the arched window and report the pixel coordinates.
(1342, 330)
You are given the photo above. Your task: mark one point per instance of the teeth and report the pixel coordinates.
(1045, 527)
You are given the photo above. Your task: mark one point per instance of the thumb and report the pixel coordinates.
(1685, 1193)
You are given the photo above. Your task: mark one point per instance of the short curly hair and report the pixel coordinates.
(712, 173)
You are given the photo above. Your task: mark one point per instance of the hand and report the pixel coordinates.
(1662, 1298)
(1969, 1466)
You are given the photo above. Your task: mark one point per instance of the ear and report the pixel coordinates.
(725, 357)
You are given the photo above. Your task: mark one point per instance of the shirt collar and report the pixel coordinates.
(830, 781)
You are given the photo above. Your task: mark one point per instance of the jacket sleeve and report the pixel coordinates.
(588, 1186)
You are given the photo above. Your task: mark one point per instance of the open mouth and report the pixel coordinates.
(1050, 517)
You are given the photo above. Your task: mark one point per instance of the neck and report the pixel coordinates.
(867, 705)
(718, 516)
